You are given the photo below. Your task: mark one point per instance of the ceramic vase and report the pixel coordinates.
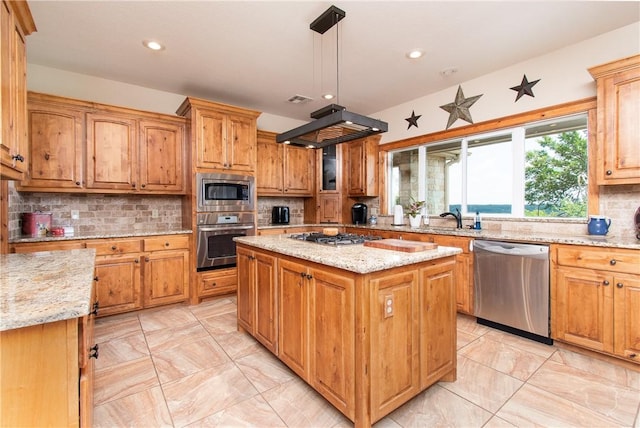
(414, 220)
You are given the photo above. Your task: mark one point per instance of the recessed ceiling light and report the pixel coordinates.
(415, 54)
(153, 45)
(328, 96)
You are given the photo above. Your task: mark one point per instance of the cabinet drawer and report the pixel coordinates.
(625, 261)
(219, 283)
(47, 246)
(166, 243)
(105, 248)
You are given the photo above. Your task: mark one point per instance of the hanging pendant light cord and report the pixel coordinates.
(337, 60)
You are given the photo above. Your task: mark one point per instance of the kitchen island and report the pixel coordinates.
(367, 328)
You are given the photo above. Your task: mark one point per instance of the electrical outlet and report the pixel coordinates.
(388, 306)
(154, 214)
(75, 214)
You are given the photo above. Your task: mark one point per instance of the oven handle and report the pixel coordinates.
(222, 228)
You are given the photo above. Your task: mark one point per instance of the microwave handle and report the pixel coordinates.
(218, 228)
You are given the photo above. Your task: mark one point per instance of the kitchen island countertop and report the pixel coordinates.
(43, 287)
(354, 258)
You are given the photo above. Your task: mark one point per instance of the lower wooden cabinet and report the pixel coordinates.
(47, 374)
(595, 299)
(216, 282)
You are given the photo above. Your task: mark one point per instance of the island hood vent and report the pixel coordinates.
(333, 124)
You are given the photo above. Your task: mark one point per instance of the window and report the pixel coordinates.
(539, 169)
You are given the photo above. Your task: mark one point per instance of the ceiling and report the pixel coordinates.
(258, 54)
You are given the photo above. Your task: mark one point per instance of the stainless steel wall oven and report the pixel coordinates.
(216, 248)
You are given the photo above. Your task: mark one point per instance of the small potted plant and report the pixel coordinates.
(414, 211)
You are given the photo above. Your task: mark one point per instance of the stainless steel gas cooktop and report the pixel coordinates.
(339, 239)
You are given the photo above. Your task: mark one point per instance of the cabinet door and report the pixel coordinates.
(583, 310)
(330, 208)
(266, 316)
(298, 171)
(626, 325)
(118, 283)
(211, 147)
(437, 322)
(166, 277)
(111, 152)
(332, 338)
(362, 170)
(293, 336)
(241, 144)
(269, 167)
(161, 156)
(395, 366)
(246, 265)
(56, 141)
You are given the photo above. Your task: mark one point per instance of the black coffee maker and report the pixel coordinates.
(359, 213)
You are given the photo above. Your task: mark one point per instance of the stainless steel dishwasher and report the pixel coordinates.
(511, 286)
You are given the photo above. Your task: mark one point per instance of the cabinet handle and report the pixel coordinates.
(96, 279)
(302, 274)
(619, 285)
(77, 183)
(632, 355)
(96, 306)
(18, 157)
(93, 352)
(612, 262)
(143, 185)
(605, 282)
(609, 172)
(309, 276)
(46, 156)
(166, 244)
(146, 259)
(137, 261)
(113, 248)
(133, 184)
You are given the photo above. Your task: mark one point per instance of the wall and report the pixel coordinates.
(296, 209)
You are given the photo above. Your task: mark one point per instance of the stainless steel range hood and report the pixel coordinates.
(332, 125)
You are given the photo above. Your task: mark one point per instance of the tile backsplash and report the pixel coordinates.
(296, 209)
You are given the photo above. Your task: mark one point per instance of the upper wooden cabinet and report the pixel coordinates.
(618, 128)
(16, 23)
(283, 169)
(362, 167)
(223, 136)
(79, 146)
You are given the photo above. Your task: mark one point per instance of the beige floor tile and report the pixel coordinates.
(463, 339)
(386, 422)
(254, 412)
(526, 345)
(143, 409)
(264, 370)
(124, 379)
(220, 324)
(503, 357)
(238, 344)
(438, 407)
(589, 390)
(206, 392)
(161, 318)
(482, 385)
(188, 358)
(173, 337)
(496, 422)
(116, 326)
(211, 308)
(468, 324)
(533, 406)
(121, 349)
(300, 406)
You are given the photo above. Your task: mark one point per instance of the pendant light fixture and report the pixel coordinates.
(333, 124)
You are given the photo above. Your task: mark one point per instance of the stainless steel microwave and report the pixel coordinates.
(225, 192)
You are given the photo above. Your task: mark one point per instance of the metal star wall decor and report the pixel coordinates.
(459, 109)
(413, 120)
(525, 87)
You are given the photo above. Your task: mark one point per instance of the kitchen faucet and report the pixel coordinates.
(457, 216)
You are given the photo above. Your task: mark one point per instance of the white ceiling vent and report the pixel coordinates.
(299, 99)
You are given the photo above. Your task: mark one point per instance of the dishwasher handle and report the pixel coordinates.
(511, 248)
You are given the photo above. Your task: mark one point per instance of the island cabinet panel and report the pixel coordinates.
(293, 302)
(245, 262)
(266, 316)
(395, 365)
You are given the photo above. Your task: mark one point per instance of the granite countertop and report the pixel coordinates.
(354, 258)
(46, 286)
(96, 235)
(608, 241)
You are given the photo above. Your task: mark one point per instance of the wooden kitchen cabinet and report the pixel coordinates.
(215, 283)
(283, 169)
(618, 109)
(330, 208)
(595, 299)
(362, 167)
(16, 23)
(223, 136)
(166, 275)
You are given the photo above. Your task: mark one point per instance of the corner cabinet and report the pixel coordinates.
(16, 23)
(223, 137)
(595, 299)
(618, 110)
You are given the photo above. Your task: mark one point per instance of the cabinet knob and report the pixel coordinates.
(166, 244)
(18, 157)
(96, 306)
(133, 184)
(146, 259)
(609, 172)
(96, 279)
(137, 260)
(309, 276)
(612, 262)
(93, 352)
(632, 355)
(619, 285)
(46, 156)
(605, 282)
(143, 185)
(113, 248)
(77, 183)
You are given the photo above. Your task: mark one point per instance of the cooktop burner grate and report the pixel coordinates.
(339, 239)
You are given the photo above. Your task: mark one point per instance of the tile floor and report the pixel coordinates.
(189, 366)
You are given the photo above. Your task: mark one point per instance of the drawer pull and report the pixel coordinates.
(632, 355)
(93, 352)
(166, 244)
(605, 282)
(137, 260)
(612, 262)
(146, 259)
(619, 285)
(609, 172)
(113, 248)
(308, 276)
(18, 158)
(96, 279)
